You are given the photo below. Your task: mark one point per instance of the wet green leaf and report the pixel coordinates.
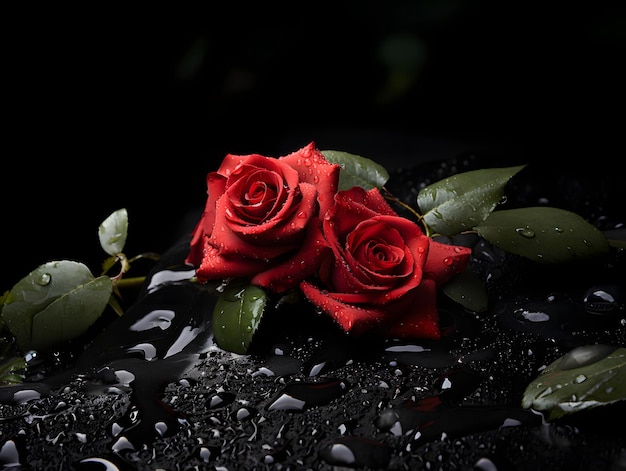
(237, 315)
(586, 377)
(468, 290)
(55, 303)
(113, 232)
(543, 234)
(357, 170)
(462, 201)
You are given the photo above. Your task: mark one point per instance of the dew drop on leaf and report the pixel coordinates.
(44, 279)
(526, 232)
(585, 355)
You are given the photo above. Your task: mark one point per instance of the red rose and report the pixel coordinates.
(261, 218)
(383, 272)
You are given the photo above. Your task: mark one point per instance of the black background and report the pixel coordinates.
(109, 108)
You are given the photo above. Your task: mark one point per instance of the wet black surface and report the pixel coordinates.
(153, 391)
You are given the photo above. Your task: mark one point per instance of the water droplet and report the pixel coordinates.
(160, 428)
(303, 394)
(340, 454)
(122, 444)
(544, 393)
(604, 300)
(526, 232)
(44, 279)
(10, 456)
(161, 318)
(585, 355)
(356, 452)
(534, 316)
(30, 355)
(220, 399)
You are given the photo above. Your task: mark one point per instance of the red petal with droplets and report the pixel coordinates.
(444, 261)
(302, 264)
(413, 316)
(313, 168)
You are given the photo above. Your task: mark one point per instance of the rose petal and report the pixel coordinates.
(349, 277)
(265, 241)
(350, 317)
(204, 227)
(232, 161)
(444, 261)
(364, 248)
(230, 243)
(217, 267)
(302, 264)
(413, 316)
(313, 168)
(257, 198)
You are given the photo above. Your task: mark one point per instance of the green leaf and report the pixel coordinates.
(113, 232)
(462, 201)
(357, 170)
(237, 315)
(543, 234)
(586, 377)
(468, 290)
(55, 303)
